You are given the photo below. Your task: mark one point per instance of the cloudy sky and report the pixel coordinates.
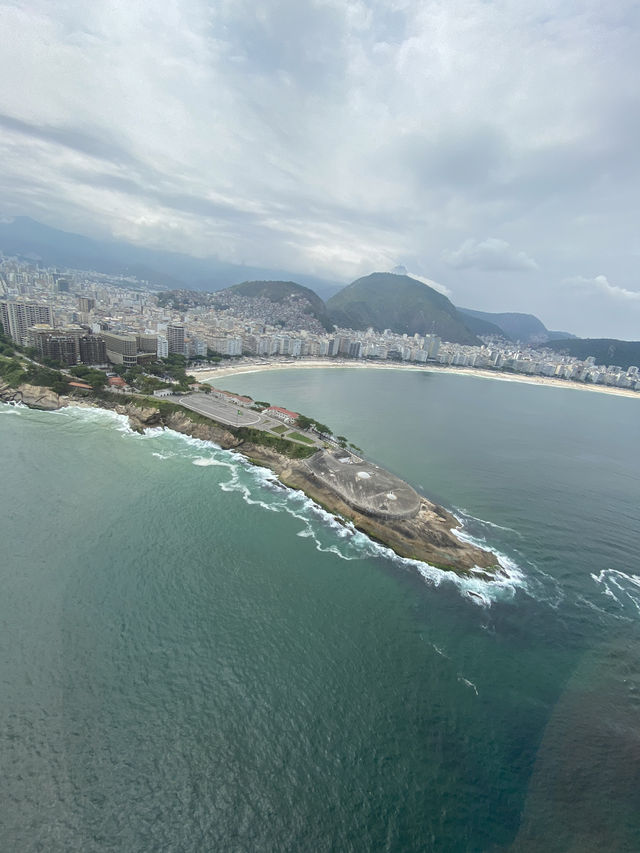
(492, 147)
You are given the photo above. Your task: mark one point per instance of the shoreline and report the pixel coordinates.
(207, 374)
(428, 536)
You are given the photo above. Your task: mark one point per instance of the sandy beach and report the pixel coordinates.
(214, 374)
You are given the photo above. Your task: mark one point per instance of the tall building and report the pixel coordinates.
(175, 338)
(57, 344)
(18, 316)
(121, 349)
(93, 349)
(434, 346)
(162, 349)
(86, 304)
(147, 343)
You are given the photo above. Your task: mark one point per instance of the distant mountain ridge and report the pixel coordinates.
(483, 327)
(380, 300)
(526, 328)
(26, 238)
(606, 351)
(400, 303)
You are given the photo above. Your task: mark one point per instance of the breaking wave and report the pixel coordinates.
(622, 589)
(329, 534)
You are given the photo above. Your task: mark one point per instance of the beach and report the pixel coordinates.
(212, 374)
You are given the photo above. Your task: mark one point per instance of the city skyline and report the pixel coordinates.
(83, 317)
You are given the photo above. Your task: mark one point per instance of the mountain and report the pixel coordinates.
(283, 292)
(526, 328)
(400, 303)
(34, 241)
(607, 351)
(482, 327)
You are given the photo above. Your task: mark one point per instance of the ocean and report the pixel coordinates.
(195, 658)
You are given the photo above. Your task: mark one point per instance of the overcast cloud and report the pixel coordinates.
(491, 147)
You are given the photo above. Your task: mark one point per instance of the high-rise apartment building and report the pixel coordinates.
(162, 349)
(18, 316)
(56, 344)
(86, 304)
(175, 338)
(93, 349)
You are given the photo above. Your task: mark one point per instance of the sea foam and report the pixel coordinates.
(627, 587)
(328, 533)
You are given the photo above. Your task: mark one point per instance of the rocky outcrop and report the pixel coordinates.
(33, 396)
(140, 417)
(426, 536)
(206, 432)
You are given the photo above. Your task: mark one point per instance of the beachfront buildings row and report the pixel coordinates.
(96, 319)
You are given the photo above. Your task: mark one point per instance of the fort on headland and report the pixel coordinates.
(360, 493)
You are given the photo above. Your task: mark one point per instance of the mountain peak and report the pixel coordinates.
(391, 300)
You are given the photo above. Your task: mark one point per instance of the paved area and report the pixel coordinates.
(223, 411)
(364, 486)
(237, 415)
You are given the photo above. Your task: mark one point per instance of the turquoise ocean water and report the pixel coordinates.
(194, 658)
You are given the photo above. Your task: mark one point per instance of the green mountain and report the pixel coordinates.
(400, 303)
(514, 326)
(606, 351)
(282, 292)
(480, 326)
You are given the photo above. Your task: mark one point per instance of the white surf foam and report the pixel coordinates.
(627, 586)
(207, 462)
(348, 543)
(468, 684)
(89, 414)
(461, 511)
(439, 651)
(328, 533)
(12, 408)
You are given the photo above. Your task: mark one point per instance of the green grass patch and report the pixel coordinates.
(279, 429)
(281, 445)
(297, 436)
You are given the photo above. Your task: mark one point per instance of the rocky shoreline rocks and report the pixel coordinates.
(427, 536)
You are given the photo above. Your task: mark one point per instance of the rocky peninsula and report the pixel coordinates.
(373, 500)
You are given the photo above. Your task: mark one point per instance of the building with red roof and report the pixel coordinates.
(282, 414)
(117, 382)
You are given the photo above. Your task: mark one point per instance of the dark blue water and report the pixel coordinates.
(195, 659)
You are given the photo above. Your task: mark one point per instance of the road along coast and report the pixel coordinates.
(359, 493)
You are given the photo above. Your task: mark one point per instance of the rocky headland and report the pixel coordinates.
(426, 535)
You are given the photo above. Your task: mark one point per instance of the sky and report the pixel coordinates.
(490, 147)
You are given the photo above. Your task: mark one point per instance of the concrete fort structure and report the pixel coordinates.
(364, 486)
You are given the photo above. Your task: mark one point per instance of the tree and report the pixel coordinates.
(305, 422)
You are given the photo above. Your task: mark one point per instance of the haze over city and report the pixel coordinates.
(489, 148)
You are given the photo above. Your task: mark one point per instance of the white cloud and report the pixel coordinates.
(600, 284)
(490, 254)
(441, 288)
(332, 136)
